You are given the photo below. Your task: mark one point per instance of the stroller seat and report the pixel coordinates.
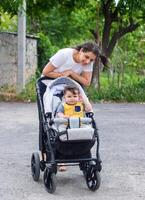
(74, 128)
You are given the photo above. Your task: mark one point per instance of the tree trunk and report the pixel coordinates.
(96, 75)
(96, 68)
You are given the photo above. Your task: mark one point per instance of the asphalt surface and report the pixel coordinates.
(122, 138)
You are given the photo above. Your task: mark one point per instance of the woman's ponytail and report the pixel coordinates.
(104, 60)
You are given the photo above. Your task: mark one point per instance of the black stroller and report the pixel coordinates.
(72, 145)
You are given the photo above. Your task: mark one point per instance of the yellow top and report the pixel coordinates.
(76, 110)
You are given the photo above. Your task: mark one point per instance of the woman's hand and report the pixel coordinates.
(66, 73)
(84, 78)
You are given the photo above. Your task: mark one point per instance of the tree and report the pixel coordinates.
(115, 20)
(66, 21)
(119, 20)
(107, 21)
(10, 6)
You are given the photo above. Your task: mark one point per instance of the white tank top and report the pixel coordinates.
(63, 60)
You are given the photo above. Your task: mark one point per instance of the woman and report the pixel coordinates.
(76, 63)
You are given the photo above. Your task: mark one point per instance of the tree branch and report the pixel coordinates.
(115, 14)
(95, 34)
(108, 3)
(105, 7)
(124, 30)
(107, 24)
(117, 35)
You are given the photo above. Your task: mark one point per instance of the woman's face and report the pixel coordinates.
(86, 58)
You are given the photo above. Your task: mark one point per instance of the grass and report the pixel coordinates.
(29, 93)
(8, 93)
(133, 90)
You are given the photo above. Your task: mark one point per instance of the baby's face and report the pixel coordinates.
(71, 98)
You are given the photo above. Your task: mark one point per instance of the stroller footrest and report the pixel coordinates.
(85, 133)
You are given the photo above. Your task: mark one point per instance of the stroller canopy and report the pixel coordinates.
(56, 87)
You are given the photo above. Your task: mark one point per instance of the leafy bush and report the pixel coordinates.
(127, 93)
(29, 93)
(45, 50)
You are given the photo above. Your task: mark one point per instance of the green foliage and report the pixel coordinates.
(127, 61)
(8, 23)
(127, 93)
(10, 6)
(29, 93)
(45, 50)
(133, 48)
(130, 92)
(63, 27)
(69, 22)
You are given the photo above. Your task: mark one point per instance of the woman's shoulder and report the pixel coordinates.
(62, 56)
(66, 53)
(66, 50)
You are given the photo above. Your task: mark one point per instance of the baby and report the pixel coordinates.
(73, 105)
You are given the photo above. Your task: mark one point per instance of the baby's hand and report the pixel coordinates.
(66, 116)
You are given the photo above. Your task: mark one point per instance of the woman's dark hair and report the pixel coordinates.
(92, 47)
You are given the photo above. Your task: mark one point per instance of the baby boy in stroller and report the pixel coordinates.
(66, 135)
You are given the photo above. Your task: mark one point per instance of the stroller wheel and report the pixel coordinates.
(35, 166)
(49, 179)
(93, 179)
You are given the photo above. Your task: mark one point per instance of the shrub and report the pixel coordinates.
(127, 93)
(29, 93)
(45, 50)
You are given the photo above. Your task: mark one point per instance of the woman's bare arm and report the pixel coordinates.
(84, 78)
(49, 71)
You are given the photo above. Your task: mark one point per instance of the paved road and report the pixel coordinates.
(122, 136)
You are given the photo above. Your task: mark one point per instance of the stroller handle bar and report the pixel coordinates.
(83, 120)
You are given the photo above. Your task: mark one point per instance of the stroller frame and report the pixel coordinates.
(90, 166)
